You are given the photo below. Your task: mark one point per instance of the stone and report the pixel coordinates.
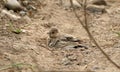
(13, 5)
(99, 2)
(22, 13)
(96, 9)
(31, 7)
(66, 61)
(67, 5)
(11, 15)
(25, 3)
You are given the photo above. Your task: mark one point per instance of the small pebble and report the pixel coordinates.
(22, 13)
(96, 68)
(66, 61)
(25, 3)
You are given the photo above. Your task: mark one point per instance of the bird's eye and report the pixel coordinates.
(52, 32)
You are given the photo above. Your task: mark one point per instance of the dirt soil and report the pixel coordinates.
(27, 51)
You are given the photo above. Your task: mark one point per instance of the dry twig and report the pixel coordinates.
(85, 26)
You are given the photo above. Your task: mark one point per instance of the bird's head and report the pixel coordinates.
(53, 32)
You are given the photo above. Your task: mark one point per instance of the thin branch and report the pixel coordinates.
(73, 8)
(85, 26)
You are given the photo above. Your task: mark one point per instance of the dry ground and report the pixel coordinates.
(29, 47)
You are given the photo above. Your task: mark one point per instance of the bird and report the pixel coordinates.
(53, 33)
(53, 37)
(58, 40)
(13, 5)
